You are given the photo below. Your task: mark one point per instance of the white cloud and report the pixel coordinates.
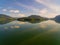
(55, 9)
(49, 4)
(43, 11)
(27, 7)
(4, 10)
(18, 15)
(21, 15)
(11, 11)
(14, 11)
(50, 11)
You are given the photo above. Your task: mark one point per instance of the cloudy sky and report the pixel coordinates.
(22, 8)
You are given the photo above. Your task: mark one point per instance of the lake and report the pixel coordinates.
(26, 33)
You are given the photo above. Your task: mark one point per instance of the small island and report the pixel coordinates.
(32, 18)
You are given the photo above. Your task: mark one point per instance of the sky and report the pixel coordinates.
(24, 8)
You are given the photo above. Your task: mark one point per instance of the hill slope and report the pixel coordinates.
(33, 18)
(5, 19)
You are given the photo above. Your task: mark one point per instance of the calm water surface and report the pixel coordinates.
(25, 33)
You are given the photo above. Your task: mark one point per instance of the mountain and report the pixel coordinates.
(32, 18)
(57, 18)
(35, 16)
(4, 18)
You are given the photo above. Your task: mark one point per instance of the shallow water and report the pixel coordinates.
(25, 33)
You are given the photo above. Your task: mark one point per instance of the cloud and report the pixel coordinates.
(52, 8)
(11, 11)
(45, 13)
(50, 11)
(49, 4)
(27, 6)
(18, 15)
(14, 11)
(21, 15)
(4, 10)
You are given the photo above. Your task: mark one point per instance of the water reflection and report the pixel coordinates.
(15, 26)
(30, 21)
(57, 21)
(1, 23)
(25, 33)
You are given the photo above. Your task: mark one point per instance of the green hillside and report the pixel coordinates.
(5, 19)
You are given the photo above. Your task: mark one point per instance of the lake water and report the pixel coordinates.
(25, 33)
